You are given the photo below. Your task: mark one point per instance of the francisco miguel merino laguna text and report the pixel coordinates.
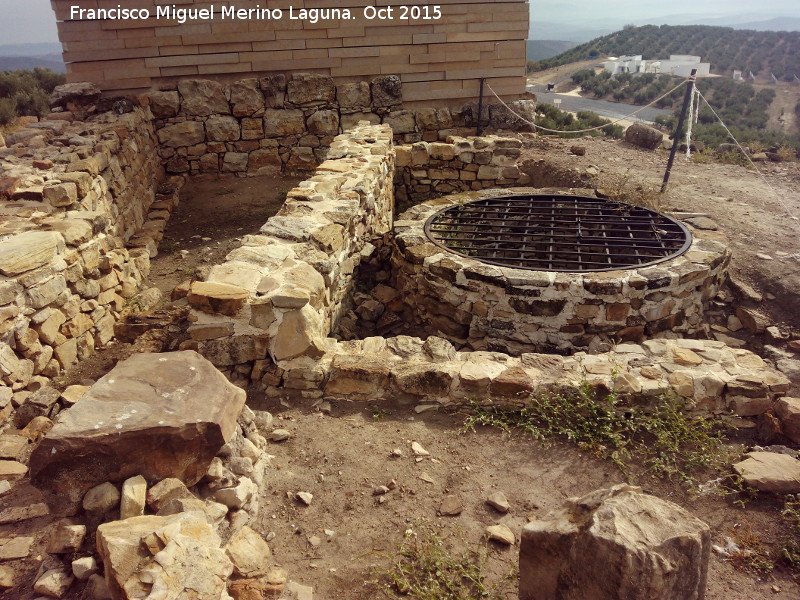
(231, 13)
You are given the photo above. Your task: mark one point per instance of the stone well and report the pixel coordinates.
(497, 308)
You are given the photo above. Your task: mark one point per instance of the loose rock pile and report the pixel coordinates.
(164, 461)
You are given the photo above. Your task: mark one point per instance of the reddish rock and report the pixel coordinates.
(158, 415)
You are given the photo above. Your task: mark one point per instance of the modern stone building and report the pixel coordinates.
(440, 55)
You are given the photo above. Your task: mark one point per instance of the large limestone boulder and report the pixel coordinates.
(643, 136)
(155, 415)
(615, 543)
(770, 472)
(176, 557)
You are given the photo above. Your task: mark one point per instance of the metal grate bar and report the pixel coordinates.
(558, 233)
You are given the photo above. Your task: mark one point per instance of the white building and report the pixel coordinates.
(677, 64)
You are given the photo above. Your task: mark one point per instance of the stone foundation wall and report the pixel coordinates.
(427, 170)
(486, 307)
(286, 124)
(73, 193)
(707, 374)
(280, 295)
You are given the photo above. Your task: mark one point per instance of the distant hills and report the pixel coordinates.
(29, 56)
(762, 52)
(579, 27)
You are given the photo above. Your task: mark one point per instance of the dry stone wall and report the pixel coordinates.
(437, 59)
(278, 124)
(73, 193)
(458, 164)
(280, 294)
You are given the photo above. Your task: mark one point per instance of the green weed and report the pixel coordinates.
(425, 569)
(669, 443)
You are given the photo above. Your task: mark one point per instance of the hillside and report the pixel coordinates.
(542, 49)
(762, 52)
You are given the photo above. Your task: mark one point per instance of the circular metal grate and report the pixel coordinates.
(558, 233)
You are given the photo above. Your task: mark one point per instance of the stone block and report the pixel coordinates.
(306, 89)
(201, 97)
(164, 105)
(222, 129)
(615, 543)
(177, 405)
(187, 133)
(29, 250)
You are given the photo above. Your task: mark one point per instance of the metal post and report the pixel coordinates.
(675, 143)
(480, 110)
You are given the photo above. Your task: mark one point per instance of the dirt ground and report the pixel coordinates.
(347, 535)
(342, 457)
(213, 215)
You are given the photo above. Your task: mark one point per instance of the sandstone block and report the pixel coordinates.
(274, 89)
(401, 121)
(353, 97)
(101, 498)
(219, 298)
(280, 123)
(615, 543)
(134, 493)
(246, 98)
(60, 194)
(324, 122)
(788, 411)
(164, 105)
(177, 405)
(298, 334)
(202, 98)
(222, 129)
(249, 553)
(305, 89)
(770, 472)
(187, 133)
(235, 162)
(28, 250)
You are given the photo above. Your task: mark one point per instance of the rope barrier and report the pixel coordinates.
(513, 112)
(747, 156)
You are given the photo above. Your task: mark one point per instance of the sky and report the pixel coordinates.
(585, 10)
(26, 21)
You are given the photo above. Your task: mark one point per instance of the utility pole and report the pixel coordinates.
(686, 99)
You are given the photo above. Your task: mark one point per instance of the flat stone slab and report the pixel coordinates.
(155, 415)
(28, 250)
(770, 472)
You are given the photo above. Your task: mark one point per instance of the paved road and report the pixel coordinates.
(609, 110)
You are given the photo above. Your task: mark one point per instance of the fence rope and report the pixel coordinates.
(747, 156)
(531, 123)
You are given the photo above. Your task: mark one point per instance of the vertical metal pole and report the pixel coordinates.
(480, 110)
(675, 143)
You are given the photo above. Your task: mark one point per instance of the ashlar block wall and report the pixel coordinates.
(437, 59)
